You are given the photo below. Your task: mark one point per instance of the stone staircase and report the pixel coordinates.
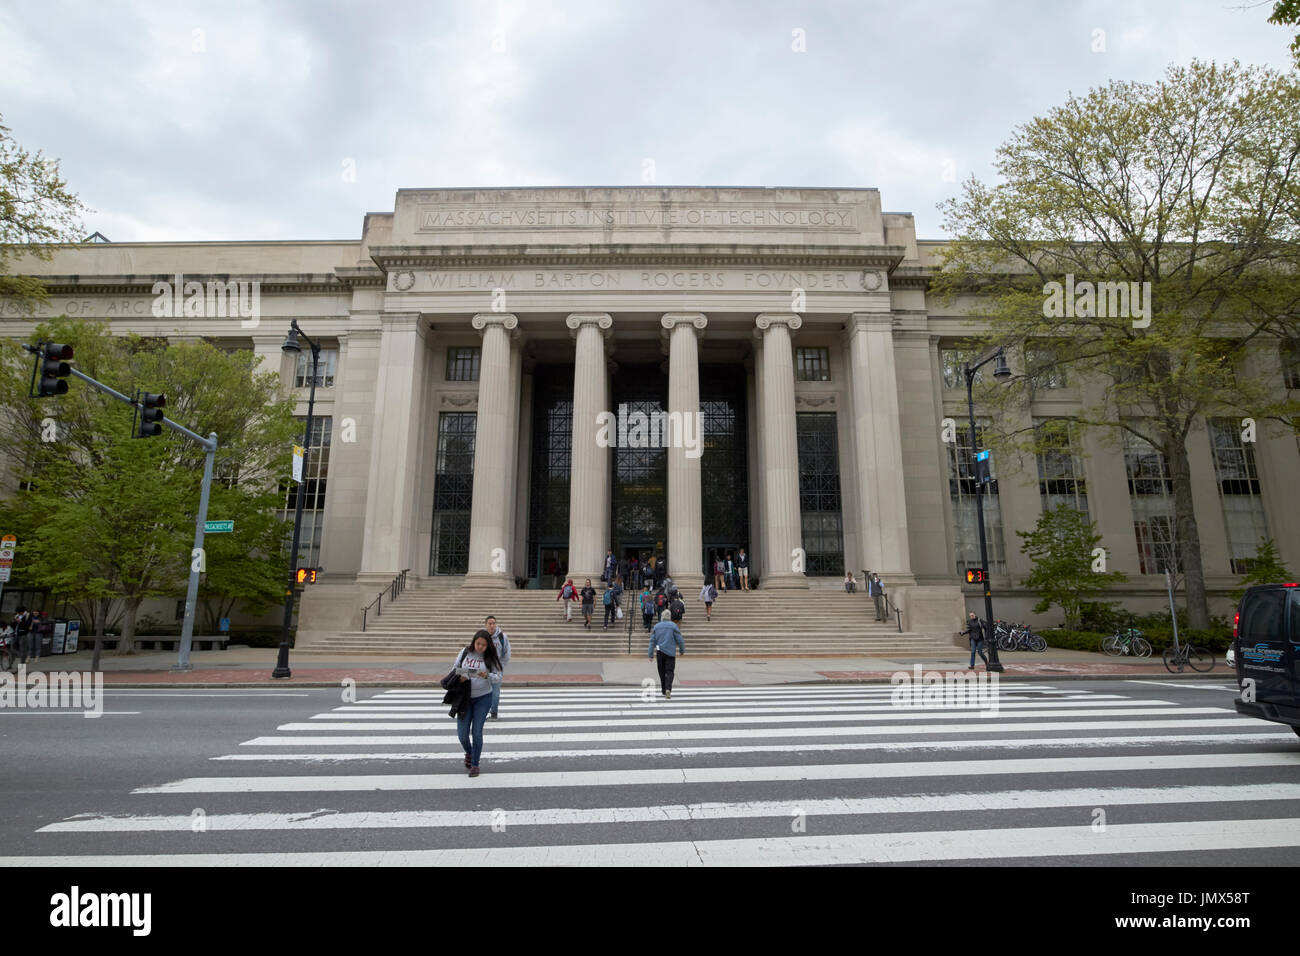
(438, 617)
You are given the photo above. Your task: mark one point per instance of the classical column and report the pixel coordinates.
(781, 453)
(878, 447)
(760, 558)
(685, 441)
(589, 487)
(494, 460)
(387, 546)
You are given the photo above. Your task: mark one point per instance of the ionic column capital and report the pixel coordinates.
(506, 320)
(770, 319)
(695, 320)
(602, 320)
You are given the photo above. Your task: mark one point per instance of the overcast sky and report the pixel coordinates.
(186, 121)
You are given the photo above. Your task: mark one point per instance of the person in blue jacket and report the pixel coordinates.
(666, 642)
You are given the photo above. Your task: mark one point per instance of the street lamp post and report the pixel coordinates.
(291, 346)
(1000, 372)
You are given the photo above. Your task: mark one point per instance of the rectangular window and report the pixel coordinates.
(1243, 506)
(1060, 469)
(315, 476)
(453, 493)
(326, 366)
(1043, 367)
(462, 363)
(812, 365)
(961, 490)
(1290, 351)
(953, 362)
(1151, 494)
(819, 494)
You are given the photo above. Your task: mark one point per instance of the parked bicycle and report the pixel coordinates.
(1017, 637)
(1126, 641)
(1187, 655)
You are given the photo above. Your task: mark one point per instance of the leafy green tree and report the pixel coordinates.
(107, 518)
(1061, 547)
(1185, 194)
(35, 207)
(1286, 13)
(1265, 568)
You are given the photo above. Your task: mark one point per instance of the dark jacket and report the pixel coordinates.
(975, 628)
(458, 698)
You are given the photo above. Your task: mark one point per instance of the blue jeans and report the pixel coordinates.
(475, 715)
(977, 647)
(496, 697)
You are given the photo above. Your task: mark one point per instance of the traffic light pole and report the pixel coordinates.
(993, 663)
(197, 558)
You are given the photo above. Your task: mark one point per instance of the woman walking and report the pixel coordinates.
(568, 594)
(588, 594)
(479, 665)
(666, 643)
(708, 594)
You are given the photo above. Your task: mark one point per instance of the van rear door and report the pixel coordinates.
(1263, 645)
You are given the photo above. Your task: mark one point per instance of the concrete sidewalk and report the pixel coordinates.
(245, 666)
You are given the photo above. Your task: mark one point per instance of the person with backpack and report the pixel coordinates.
(568, 594)
(500, 644)
(666, 642)
(479, 665)
(608, 600)
(588, 595)
(975, 630)
(708, 594)
(647, 607)
(676, 606)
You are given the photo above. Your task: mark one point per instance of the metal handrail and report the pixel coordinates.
(397, 586)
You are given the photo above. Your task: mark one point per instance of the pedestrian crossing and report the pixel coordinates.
(781, 775)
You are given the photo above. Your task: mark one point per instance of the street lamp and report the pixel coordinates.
(1001, 372)
(292, 347)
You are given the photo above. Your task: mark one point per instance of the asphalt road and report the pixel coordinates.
(1076, 773)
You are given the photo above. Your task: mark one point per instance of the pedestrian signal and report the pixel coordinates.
(976, 576)
(306, 575)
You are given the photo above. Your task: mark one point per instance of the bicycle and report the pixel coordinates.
(1187, 655)
(1129, 641)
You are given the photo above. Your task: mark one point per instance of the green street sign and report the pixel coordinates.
(218, 527)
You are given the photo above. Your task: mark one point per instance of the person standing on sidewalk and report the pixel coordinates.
(708, 594)
(666, 642)
(588, 602)
(22, 632)
(975, 630)
(876, 588)
(482, 668)
(500, 644)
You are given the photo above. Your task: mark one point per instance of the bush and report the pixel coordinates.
(1102, 616)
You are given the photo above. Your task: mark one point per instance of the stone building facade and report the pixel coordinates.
(515, 377)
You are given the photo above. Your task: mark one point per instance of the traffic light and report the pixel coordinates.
(54, 369)
(306, 575)
(151, 415)
(976, 576)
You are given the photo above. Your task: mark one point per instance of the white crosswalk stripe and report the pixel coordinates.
(781, 775)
